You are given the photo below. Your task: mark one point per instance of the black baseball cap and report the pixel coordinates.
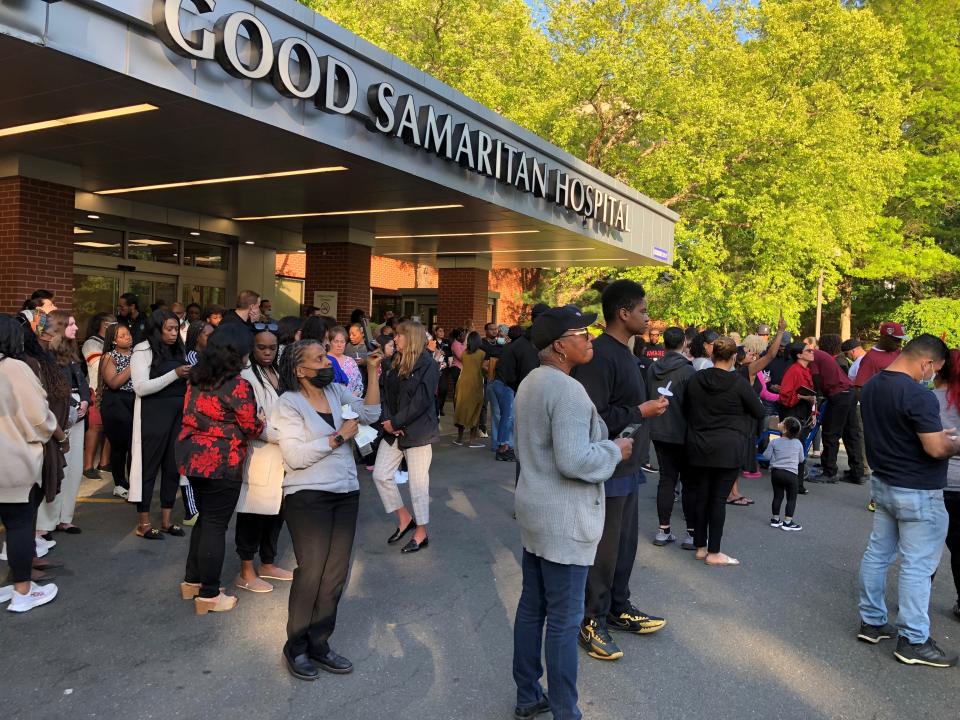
(849, 345)
(555, 322)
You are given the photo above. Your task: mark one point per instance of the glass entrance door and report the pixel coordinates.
(98, 290)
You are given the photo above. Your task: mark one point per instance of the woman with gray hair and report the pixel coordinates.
(564, 459)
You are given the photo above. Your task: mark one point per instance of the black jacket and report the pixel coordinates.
(410, 403)
(615, 385)
(720, 407)
(671, 427)
(518, 359)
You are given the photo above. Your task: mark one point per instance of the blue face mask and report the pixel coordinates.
(501, 341)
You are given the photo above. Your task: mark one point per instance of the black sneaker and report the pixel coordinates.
(875, 633)
(925, 653)
(507, 455)
(648, 468)
(532, 711)
(635, 621)
(91, 473)
(791, 526)
(596, 640)
(331, 662)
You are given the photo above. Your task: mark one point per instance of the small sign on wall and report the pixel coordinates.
(326, 302)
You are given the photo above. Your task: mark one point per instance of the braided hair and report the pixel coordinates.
(293, 357)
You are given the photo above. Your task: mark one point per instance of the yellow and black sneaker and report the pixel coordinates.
(635, 621)
(596, 640)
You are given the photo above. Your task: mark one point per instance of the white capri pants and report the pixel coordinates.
(418, 470)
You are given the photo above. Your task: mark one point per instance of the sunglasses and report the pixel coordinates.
(271, 326)
(583, 332)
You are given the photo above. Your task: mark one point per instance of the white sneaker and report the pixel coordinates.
(482, 434)
(38, 595)
(42, 548)
(6, 593)
(400, 477)
(121, 492)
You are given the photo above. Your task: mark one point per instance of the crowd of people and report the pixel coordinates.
(269, 420)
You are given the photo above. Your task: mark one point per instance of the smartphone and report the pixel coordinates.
(368, 335)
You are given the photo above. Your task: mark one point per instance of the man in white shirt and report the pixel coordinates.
(854, 352)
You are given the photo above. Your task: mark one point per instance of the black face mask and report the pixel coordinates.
(323, 378)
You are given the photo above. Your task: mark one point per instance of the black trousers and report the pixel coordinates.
(19, 519)
(672, 458)
(442, 389)
(159, 426)
(216, 501)
(713, 487)
(785, 483)
(322, 526)
(116, 410)
(952, 501)
(608, 580)
(840, 421)
(454, 377)
(258, 534)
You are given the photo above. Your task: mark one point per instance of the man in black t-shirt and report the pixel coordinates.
(129, 315)
(908, 450)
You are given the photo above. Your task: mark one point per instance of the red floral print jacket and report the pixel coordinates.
(217, 425)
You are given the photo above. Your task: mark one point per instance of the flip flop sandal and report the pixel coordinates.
(739, 502)
(728, 562)
(175, 530)
(151, 534)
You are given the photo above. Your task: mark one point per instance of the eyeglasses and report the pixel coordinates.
(272, 326)
(583, 332)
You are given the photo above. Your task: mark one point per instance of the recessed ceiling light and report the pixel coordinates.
(248, 242)
(93, 217)
(82, 231)
(331, 213)
(195, 233)
(212, 181)
(75, 119)
(464, 234)
(301, 251)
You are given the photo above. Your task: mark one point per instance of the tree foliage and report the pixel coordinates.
(797, 139)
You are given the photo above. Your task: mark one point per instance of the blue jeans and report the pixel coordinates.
(554, 593)
(915, 521)
(501, 400)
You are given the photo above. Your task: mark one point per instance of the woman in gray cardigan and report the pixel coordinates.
(321, 496)
(564, 460)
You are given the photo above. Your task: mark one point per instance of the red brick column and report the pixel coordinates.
(36, 241)
(462, 296)
(342, 267)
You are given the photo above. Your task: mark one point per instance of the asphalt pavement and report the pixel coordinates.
(430, 634)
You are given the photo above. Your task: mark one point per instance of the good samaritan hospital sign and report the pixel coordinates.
(332, 86)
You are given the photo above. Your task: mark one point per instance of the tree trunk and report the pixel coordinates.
(846, 307)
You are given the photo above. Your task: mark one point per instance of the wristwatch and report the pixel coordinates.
(338, 439)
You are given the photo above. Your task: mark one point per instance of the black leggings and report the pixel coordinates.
(952, 501)
(160, 420)
(713, 486)
(20, 521)
(784, 482)
(672, 460)
(116, 410)
(442, 390)
(258, 534)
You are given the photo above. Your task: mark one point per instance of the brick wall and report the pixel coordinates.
(36, 241)
(462, 296)
(340, 267)
(293, 265)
